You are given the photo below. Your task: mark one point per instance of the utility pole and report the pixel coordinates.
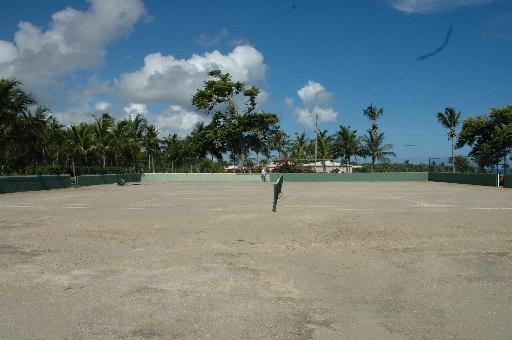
(316, 139)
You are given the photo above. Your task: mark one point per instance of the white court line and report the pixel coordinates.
(330, 207)
(216, 198)
(17, 206)
(490, 208)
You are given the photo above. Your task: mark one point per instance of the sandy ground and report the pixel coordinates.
(212, 261)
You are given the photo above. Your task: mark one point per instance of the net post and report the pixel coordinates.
(275, 198)
(277, 191)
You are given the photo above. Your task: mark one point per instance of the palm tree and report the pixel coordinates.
(13, 102)
(373, 114)
(152, 144)
(136, 130)
(54, 141)
(374, 147)
(117, 141)
(325, 147)
(300, 147)
(347, 144)
(101, 135)
(450, 119)
(280, 142)
(31, 129)
(173, 148)
(80, 142)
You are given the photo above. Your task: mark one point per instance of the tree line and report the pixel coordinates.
(32, 141)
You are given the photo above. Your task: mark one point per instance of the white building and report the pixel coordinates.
(330, 166)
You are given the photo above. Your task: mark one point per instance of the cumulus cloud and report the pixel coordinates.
(50, 62)
(431, 6)
(175, 120)
(136, 108)
(166, 79)
(74, 40)
(315, 100)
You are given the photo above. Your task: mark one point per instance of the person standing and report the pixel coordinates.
(263, 175)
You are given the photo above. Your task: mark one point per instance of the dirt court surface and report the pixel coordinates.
(365, 260)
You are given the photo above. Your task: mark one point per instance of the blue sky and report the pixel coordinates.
(333, 58)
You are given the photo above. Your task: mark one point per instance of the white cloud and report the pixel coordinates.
(431, 6)
(308, 92)
(168, 80)
(74, 41)
(316, 102)
(175, 119)
(288, 102)
(262, 97)
(307, 117)
(325, 115)
(8, 52)
(136, 108)
(314, 94)
(101, 106)
(49, 60)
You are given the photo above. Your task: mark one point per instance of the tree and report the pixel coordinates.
(136, 128)
(117, 140)
(280, 142)
(173, 149)
(373, 114)
(220, 96)
(325, 147)
(152, 145)
(101, 136)
(489, 136)
(347, 144)
(300, 147)
(54, 141)
(13, 103)
(79, 142)
(374, 147)
(31, 129)
(207, 141)
(450, 119)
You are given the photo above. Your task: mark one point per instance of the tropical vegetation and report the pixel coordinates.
(33, 141)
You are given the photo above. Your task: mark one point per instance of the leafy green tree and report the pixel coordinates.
(31, 132)
(134, 137)
(101, 134)
(489, 136)
(463, 164)
(260, 138)
(152, 145)
(373, 146)
(173, 150)
(80, 143)
(450, 119)
(347, 144)
(117, 141)
(13, 103)
(325, 147)
(54, 141)
(280, 142)
(300, 148)
(373, 114)
(205, 140)
(236, 122)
